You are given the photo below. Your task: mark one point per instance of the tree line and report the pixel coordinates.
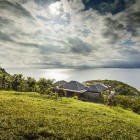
(120, 87)
(126, 95)
(18, 82)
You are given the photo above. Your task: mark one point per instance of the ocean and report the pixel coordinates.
(129, 76)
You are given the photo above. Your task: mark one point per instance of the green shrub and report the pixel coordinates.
(129, 103)
(75, 97)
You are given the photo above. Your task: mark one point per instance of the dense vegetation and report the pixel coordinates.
(30, 116)
(19, 83)
(26, 114)
(129, 102)
(120, 87)
(126, 97)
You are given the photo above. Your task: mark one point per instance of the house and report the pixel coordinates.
(93, 93)
(74, 88)
(90, 97)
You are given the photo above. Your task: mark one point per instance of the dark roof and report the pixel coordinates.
(74, 85)
(62, 82)
(97, 88)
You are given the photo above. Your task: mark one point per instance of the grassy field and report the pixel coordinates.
(30, 116)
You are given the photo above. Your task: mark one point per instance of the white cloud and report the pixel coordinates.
(32, 35)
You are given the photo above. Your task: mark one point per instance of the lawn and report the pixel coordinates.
(32, 116)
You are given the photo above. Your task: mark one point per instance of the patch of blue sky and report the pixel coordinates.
(132, 30)
(105, 6)
(128, 43)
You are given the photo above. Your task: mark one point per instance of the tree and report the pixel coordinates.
(31, 82)
(45, 86)
(19, 82)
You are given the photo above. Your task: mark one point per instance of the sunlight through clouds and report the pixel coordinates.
(55, 8)
(69, 33)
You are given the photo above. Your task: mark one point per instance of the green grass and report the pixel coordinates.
(33, 116)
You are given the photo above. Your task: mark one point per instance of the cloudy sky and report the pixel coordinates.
(69, 33)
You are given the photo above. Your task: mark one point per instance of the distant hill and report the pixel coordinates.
(33, 116)
(2, 71)
(5, 79)
(120, 87)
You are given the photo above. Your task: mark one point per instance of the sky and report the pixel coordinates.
(78, 34)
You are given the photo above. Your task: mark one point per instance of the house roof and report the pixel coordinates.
(97, 88)
(74, 86)
(62, 82)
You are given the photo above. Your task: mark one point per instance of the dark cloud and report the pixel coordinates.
(49, 64)
(130, 53)
(122, 64)
(114, 24)
(113, 37)
(114, 27)
(80, 47)
(45, 48)
(15, 8)
(129, 3)
(5, 37)
(5, 22)
(134, 18)
(133, 22)
(107, 64)
(56, 64)
(34, 45)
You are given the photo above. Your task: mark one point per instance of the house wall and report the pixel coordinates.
(91, 97)
(71, 94)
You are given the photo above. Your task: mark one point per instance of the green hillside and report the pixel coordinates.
(30, 116)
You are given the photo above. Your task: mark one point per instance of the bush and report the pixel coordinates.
(75, 97)
(129, 103)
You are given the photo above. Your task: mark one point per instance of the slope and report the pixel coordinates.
(30, 116)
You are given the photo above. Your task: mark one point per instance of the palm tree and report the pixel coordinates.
(45, 86)
(18, 82)
(31, 82)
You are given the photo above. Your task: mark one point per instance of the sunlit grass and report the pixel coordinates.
(34, 116)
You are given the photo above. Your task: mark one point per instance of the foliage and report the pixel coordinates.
(75, 97)
(30, 116)
(19, 83)
(126, 97)
(120, 87)
(129, 102)
(5, 80)
(45, 86)
(31, 84)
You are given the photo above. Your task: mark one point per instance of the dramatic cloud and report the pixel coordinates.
(69, 33)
